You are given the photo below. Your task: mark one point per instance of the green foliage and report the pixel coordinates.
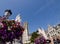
(34, 35)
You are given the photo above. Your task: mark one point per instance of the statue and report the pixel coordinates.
(7, 13)
(18, 18)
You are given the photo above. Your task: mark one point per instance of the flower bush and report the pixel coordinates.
(9, 30)
(40, 40)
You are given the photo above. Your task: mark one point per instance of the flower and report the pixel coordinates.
(1, 25)
(9, 30)
(40, 40)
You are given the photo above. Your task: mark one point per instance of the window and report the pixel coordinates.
(58, 32)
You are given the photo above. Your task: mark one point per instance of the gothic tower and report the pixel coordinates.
(25, 37)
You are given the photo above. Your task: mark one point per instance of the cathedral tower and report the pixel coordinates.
(25, 36)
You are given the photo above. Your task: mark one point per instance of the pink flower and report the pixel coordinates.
(1, 25)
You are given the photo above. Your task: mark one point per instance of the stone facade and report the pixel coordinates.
(54, 31)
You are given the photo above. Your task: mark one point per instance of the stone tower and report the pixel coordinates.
(25, 37)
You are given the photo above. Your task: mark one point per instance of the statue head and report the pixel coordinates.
(7, 13)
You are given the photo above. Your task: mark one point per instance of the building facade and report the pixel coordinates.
(54, 31)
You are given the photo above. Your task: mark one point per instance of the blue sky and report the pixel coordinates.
(38, 13)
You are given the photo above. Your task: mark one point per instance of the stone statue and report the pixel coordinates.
(7, 13)
(18, 18)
